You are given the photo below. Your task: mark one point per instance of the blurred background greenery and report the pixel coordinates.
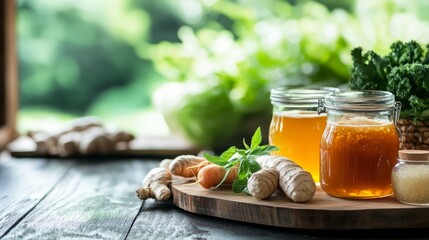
(205, 66)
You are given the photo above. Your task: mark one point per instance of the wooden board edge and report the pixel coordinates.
(306, 219)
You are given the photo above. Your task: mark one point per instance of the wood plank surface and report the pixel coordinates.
(23, 184)
(163, 220)
(94, 200)
(323, 212)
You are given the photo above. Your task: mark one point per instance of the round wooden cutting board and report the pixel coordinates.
(323, 212)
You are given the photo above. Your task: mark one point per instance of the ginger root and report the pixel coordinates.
(156, 185)
(95, 140)
(83, 123)
(263, 183)
(165, 163)
(85, 136)
(68, 144)
(296, 183)
(187, 165)
(44, 143)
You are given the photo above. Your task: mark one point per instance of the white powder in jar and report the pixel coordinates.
(410, 181)
(411, 184)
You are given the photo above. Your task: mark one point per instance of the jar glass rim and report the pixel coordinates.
(309, 95)
(414, 160)
(365, 100)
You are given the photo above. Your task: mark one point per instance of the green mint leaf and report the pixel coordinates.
(231, 164)
(254, 165)
(256, 139)
(243, 169)
(241, 152)
(244, 159)
(263, 150)
(245, 144)
(235, 157)
(229, 153)
(215, 159)
(239, 185)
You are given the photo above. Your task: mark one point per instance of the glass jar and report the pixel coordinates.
(359, 146)
(410, 177)
(296, 127)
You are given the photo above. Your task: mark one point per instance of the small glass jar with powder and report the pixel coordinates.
(410, 177)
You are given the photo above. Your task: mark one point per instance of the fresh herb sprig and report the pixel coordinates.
(244, 159)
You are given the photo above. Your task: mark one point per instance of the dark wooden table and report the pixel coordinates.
(95, 199)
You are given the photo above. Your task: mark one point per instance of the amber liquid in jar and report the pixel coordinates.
(297, 134)
(357, 157)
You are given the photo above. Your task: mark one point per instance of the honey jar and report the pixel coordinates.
(410, 177)
(359, 146)
(296, 127)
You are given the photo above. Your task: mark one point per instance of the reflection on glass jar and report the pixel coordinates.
(360, 144)
(296, 127)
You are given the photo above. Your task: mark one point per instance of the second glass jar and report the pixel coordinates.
(296, 127)
(359, 146)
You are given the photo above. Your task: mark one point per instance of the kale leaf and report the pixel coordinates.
(369, 71)
(404, 72)
(408, 79)
(402, 53)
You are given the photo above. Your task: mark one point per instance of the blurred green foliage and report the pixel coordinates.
(69, 59)
(270, 43)
(81, 57)
(211, 62)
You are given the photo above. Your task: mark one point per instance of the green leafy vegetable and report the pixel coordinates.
(244, 159)
(369, 70)
(404, 72)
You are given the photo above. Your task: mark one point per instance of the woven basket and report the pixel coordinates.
(414, 134)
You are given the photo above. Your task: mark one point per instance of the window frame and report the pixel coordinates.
(8, 73)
